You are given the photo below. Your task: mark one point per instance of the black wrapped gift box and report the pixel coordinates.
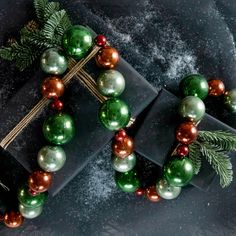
(156, 137)
(90, 137)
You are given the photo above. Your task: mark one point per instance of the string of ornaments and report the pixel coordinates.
(179, 169)
(58, 40)
(58, 129)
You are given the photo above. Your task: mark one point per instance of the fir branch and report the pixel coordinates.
(195, 156)
(40, 6)
(34, 40)
(220, 162)
(56, 25)
(39, 41)
(220, 140)
(6, 53)
(50, 9)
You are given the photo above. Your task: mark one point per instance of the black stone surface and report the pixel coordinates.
(163, 40)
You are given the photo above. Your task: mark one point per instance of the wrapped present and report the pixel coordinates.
(156, 137)
(90, 135)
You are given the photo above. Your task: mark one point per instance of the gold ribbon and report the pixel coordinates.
(75, 70)
(74, 67)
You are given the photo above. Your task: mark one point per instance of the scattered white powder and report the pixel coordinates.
(166, 57)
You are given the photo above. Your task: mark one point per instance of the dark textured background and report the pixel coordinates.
(163, 40)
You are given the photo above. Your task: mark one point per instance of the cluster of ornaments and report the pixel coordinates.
(58, 129)
(178, 171)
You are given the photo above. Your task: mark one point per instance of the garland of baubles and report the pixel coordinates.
(178, 171)
(58, 129)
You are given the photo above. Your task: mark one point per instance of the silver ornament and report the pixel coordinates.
(111, 83)
(30, 212)
(192, 108)
(53, 61)
(166, 191)
(51, 158)
(123, 164)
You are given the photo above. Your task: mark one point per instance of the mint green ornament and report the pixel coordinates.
(192, 108)
(53, 61)
(30, 212)
(51, 158)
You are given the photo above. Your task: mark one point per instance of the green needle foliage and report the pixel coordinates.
(214, 145)
(37, 36)
(195, 157)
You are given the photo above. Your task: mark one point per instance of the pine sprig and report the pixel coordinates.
(220, 140)
(195, 157)
(35, 38)
(220, 162)
(40, 6)
(56, 25)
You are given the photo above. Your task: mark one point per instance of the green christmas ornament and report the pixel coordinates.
(59, 128)
(30, 212)
(194, 85)
(114, 114)
(28, 200)
(192, 108)
(128, 181)
(77, 41)
(230, 100)
(178, 171)
(123, 164)
(53, 61)
(111, 83)
(51, 158)
(167, 191)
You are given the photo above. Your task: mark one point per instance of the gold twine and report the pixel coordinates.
(75, 70)
(44, 101)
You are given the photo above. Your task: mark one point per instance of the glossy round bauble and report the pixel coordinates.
(53, 61)
(230, 100)
(107, 57)
(51, 158)
(53, 87)
(192, 108)
(167, 191)
(178, 171)
(26, 199)
(57, 105)
(59, 128)
(40, 181)
(111, 83)
(182, 150)
(100, 40)
(122, 145)
(152, 194)
(30, 212)
(140, 192)
(114, 114)
(128, 181)
(125, 164)
(77, 41)
(13, 219)
(186, 133)
(194, 85)
(216, 87)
